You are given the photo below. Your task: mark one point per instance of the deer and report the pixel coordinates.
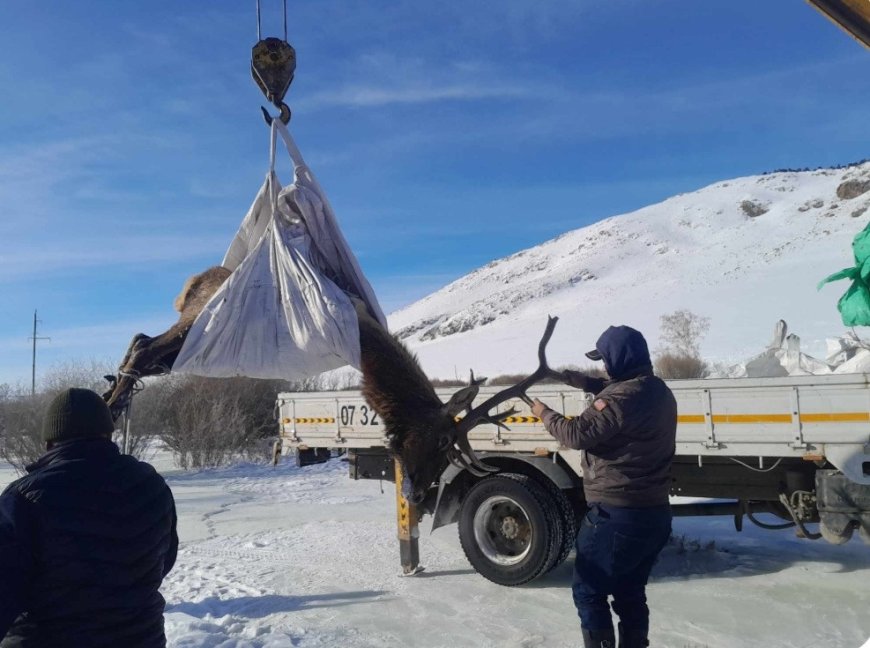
(423, 433)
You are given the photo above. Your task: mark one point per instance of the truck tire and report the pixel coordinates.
(566, 516)
(509, 529)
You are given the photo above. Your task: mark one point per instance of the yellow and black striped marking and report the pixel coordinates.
(309, 420)
(521, 419)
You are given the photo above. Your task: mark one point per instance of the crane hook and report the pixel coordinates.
(283, 116)
(273, 65)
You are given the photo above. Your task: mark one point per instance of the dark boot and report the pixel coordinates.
(632, 637)
(599, 638)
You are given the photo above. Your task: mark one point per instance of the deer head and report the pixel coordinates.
(425, 434)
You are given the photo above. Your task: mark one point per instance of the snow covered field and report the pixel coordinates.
(305, 557)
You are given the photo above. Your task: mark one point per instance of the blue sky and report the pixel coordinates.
(446, 134)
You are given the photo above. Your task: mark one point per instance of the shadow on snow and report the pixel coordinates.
(746, 556)
(257, 607)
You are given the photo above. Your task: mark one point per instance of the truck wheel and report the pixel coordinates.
(509, 529)
(566, 517)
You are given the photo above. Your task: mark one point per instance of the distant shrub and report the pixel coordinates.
(210, 422)
(682, 332)
(437, 383)
(681, 335)
(679, 366)
(21, 427)
(596, 371)
(593, 370)
(87, 374)
(338, 380)
(506, 379)
(21, 413)
(847, 165)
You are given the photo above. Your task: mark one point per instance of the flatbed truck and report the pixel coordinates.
(794, 447)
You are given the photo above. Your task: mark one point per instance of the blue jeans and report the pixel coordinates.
(616, 549)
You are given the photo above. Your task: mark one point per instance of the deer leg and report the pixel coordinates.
(159, 354)
(136, 343)
(139, 340)
(145, 357)
(121, 385)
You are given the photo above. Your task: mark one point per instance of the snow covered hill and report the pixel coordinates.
(744, 252)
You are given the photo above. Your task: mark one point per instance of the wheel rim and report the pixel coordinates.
(502, 530)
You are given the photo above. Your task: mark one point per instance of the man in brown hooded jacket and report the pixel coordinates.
(628, 439)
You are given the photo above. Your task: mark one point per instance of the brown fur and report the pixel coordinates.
(198, 290)
(393, 381)
(147, 356)
(415, 419)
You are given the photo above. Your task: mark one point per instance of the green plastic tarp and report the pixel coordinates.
(854, 305)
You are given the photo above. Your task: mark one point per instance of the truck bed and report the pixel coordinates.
(813, 418)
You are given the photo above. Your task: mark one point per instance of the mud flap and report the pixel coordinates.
(843, 504)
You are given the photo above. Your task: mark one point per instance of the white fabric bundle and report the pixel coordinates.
(284, 312)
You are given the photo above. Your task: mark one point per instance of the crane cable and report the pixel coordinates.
(259, 37)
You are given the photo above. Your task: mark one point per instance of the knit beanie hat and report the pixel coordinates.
(77, 413)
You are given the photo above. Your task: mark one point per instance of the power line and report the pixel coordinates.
(35, 339)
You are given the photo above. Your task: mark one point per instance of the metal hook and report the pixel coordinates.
(284, 115)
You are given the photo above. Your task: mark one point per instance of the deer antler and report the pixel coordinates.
(457, 458)
(462, 399)
(462, 455)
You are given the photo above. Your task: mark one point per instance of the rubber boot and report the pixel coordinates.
(632, 637)
(599, 638)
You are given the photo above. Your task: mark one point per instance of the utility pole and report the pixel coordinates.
(35, 339)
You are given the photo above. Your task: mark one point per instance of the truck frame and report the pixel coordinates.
(794, 447)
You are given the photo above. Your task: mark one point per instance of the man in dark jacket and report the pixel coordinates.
(628, 439)
(86, 538)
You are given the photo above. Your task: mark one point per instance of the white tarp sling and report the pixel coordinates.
(284, 312)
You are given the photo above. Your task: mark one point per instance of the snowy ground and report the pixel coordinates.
(305, 557)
